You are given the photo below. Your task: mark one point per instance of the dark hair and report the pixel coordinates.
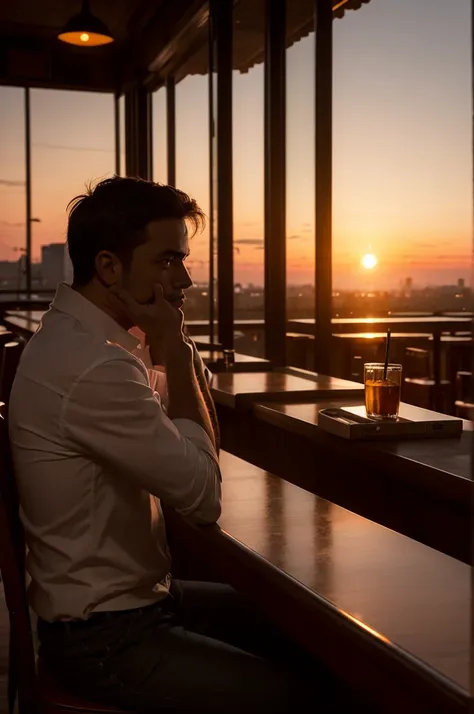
(113, 216)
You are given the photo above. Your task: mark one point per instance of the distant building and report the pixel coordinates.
(10, 272)
(53, 260)
(461, 283)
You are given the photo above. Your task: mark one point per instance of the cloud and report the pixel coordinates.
(73, 148)
(249, 241)
(9, 224)
(8, 182)
(259, 241)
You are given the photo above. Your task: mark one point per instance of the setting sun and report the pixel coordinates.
(369, 261)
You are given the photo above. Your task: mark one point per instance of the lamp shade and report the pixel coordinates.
(85, 30)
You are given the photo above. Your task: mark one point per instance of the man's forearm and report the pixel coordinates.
(209, 402)
(206, 392)
(185, 398)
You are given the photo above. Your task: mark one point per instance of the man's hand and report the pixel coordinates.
(201, 375)
(196, 358)
(160, 321)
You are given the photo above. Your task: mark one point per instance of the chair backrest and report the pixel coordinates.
(6, 336)
(11, 354)
(12, 567)
(464, 387)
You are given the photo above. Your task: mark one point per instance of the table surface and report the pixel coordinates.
(422, 336)
(448, 455)
(34, 315)
(383, 335)
(402, 591)
(233, 389)
(212, 356)
(426, 320)
(24, 323)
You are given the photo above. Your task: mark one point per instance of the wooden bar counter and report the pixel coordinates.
(242, 390)
(388, 614)
(421, 488)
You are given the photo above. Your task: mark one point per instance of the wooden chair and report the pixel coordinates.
(10, 360)
(299, 350)
(417, 363)
(6, 336)
(418, 383)
(29, 682)
(464, 403)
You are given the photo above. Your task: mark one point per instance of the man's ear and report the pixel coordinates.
(108, 269)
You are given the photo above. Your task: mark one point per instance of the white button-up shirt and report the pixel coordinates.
(94, 452)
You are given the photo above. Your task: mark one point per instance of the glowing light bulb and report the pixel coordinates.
(84, 37)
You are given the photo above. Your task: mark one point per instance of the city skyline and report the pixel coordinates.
(402, 152)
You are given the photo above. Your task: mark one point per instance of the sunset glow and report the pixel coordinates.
(369, 261)
(402, 153)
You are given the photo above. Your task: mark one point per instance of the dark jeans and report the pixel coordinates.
(202, 649)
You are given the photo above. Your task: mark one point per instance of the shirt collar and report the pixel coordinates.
(91, 317)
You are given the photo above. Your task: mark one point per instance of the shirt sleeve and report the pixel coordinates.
(113, 416)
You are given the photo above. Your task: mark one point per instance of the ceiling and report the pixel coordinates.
(44, 18)
(31, 54)
(249, 33)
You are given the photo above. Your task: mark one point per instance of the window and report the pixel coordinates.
(300, 163)
(193, 170)
(12, 188)
(402, 184)
(248, 171)
(214, 214)
(72, 144)
(160, 151)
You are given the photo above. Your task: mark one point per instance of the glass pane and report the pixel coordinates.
(193, 175)
(300, 171)
(160, 136)
(123, 167)
(402, 232)
(72, 144)
(248, 173)
(12, 188)
(214, 217)
(300, 177)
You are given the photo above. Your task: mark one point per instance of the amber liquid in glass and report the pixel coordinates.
(382, 398)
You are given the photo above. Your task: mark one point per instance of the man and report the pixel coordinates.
(95, 452)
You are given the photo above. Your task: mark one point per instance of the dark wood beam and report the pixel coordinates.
(275, 182)
(160, 40)
(323, 220)
(222, 20)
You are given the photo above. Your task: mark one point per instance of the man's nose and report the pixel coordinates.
(185, 280)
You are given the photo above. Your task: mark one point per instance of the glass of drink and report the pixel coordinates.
(228, 358)
(382, 393)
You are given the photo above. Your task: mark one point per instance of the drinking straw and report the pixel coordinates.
(387, 350)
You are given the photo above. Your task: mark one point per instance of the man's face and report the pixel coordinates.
(160, 260)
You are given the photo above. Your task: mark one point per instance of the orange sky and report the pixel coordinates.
(402, 151)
